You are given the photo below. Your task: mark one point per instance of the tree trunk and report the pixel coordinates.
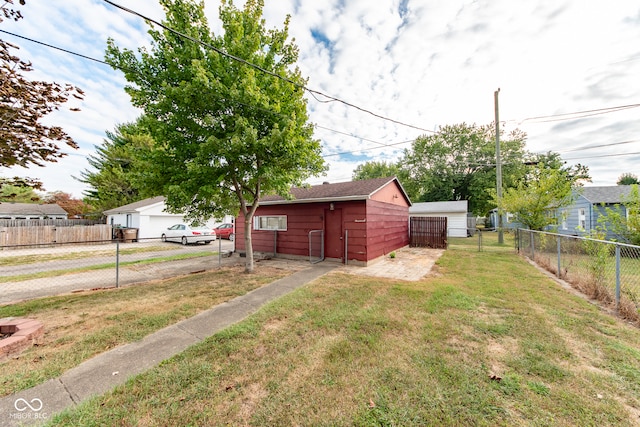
(248, 245)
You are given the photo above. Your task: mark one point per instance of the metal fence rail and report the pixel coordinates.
(607, 271)
(36, 271)
(316, 246)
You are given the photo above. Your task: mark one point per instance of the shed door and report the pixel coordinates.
(333, 243)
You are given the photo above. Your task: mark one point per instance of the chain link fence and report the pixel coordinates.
(39, 270)
(603, 270)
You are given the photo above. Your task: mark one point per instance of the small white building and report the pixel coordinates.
(150, 217)
(455, 212)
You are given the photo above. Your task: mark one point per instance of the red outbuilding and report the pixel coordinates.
(363, 219)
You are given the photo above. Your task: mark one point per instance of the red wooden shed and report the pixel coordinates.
(363, 219)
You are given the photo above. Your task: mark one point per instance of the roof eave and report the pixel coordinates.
(318, 200)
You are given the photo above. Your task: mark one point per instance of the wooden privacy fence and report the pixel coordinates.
(42, 235)
(49, 221)
(428, 232)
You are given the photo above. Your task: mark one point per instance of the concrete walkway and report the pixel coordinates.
(107, 370)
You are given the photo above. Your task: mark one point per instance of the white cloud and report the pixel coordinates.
(428, 63)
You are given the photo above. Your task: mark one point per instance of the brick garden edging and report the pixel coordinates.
(24, 333)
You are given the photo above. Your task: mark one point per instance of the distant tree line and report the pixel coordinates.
(459, 163)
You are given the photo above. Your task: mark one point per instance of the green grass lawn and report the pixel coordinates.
(486, 340)
(79, 326)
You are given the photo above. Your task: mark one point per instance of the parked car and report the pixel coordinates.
(185, 234)
(225, 231)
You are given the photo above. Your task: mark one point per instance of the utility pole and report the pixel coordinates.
(498, 169)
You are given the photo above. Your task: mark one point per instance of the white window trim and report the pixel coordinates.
(270, 222)
(582, 218)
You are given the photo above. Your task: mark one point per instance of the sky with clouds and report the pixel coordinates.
(567, 71)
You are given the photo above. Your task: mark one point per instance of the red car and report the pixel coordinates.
(225, 231)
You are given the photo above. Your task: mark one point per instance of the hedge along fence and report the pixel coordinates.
(603, 270)
(49, 234)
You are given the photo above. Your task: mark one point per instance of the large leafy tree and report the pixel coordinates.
(374, 169)
(459, 163)
(546, 189)
(24, 139)
(116, 167)
(628, 178)
(74, 207)
(227, 132)
(577, 173)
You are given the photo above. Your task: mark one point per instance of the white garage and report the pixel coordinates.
(455, 212)
(149, 217)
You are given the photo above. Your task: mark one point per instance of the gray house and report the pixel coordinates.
(581, 217)
(10, 210)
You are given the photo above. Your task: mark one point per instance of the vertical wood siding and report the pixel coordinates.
(374, 228)
(430, 232)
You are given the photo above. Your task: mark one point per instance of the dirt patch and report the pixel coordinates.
(498, 351)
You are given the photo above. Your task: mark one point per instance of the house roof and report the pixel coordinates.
(10, 208)
(459, 206)
(608, 194)
(341, 191)
(135, 206)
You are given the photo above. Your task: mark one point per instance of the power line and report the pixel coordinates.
(577, 114)
(604, 155)
(55, 47)
(590, 147)
(584, 113)
(368, 149)
(382, 144)
(263, 70)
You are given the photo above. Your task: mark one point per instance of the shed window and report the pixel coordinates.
(276, 222)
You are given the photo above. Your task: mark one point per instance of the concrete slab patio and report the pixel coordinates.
(410, 264)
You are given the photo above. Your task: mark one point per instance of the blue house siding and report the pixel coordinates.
(570, 220)
(508, 220)
(594, 202)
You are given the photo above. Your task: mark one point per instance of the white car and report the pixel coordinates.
(186, 234)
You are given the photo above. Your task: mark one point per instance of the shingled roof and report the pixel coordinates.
(609, 194)
(133, 207)
(9, 208)
(341, 191)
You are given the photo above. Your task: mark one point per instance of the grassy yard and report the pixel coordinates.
(78, 326)
(485, 340)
